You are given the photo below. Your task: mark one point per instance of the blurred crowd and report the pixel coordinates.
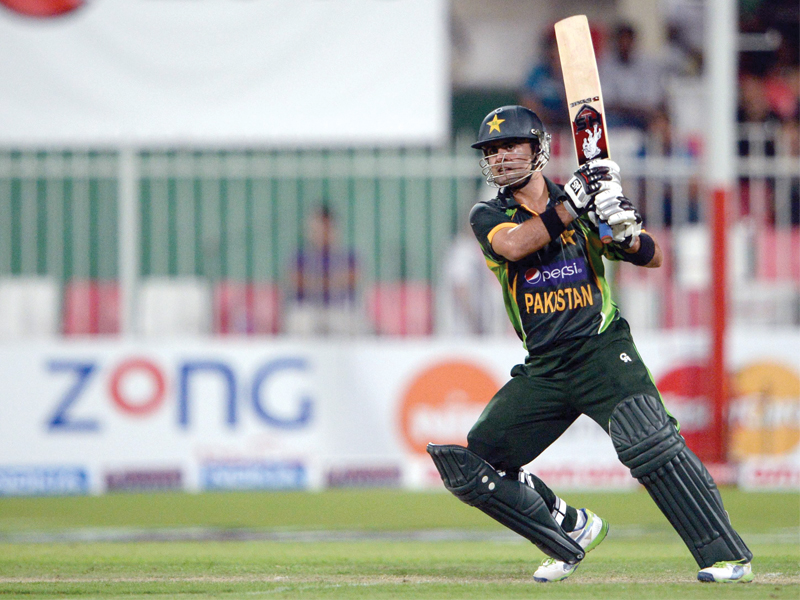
(637, 84)
(645, 95)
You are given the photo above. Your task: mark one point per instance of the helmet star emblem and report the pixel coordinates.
(494, 124)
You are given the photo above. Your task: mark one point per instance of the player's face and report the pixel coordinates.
(509, 161)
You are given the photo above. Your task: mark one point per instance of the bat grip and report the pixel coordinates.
(605, 232)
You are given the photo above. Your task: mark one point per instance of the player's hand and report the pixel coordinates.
(592, 178)
(614, 208)
(627, 224)
(607, 165)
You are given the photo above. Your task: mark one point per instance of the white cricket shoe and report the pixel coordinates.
(588, 537)
(727, 572)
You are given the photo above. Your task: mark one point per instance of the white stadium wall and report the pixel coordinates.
(227, 73)
(94, 416)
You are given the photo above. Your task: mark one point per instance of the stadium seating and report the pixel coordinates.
(778, 254)
(242, 308)
(400, 308)
(28, 307)
(91, 308)
(178, 306)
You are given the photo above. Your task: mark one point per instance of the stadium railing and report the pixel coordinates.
(231, 221)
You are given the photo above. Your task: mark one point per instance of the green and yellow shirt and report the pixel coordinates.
(557, 293)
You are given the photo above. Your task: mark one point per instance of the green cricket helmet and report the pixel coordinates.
(509, 123)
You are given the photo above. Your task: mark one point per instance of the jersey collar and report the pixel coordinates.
(556, 195)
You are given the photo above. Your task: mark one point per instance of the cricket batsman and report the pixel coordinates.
(541, 240)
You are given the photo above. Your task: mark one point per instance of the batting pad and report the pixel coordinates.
(509, 502)
(650, 446)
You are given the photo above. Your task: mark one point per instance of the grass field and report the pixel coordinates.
(362, 544)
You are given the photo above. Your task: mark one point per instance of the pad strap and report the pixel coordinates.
(511, 503)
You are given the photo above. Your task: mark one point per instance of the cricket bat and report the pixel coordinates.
(584, 96)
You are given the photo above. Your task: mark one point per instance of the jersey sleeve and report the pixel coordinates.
(486, 221)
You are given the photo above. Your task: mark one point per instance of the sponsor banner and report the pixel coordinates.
(770, 474)
(254, 476)
(182, 405)
(576, 477)
(763, 409)
(421, 474)
(291, 73)
(723, 473)
(364, 477)
(686, 393)
(233, 414)
(764, 417)
(144, 480)
(38, 481)
(443, 401)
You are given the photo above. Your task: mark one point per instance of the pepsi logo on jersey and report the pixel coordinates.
(560, 272)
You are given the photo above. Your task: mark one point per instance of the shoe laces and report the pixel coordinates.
(549, 561)
(724, 564)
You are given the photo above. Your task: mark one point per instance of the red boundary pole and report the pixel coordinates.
(719, 307)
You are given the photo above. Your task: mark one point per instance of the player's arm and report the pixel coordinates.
(638, 247)
(516, 242)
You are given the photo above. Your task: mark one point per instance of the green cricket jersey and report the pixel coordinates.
(557, 293)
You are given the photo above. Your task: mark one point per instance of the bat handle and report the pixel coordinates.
(605, 232)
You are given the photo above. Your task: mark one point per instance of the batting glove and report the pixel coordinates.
(614, 208)
(627, 224)
(590, 179)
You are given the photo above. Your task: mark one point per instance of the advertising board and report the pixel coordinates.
(96, 416)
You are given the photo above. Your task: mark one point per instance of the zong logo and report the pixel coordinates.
(564, 271)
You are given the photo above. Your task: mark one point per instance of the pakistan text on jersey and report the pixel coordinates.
(559, 300)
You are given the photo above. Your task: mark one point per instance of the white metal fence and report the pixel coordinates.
(199, 242)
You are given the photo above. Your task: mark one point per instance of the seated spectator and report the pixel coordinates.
(754, 106)
(323, 299)
(782, 82)
(633, 89)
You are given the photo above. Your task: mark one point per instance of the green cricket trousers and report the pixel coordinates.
(546, 394)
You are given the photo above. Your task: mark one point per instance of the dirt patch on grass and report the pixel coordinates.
(383, 580)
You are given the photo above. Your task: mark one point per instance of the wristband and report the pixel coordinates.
(553, 223)
(645, 253)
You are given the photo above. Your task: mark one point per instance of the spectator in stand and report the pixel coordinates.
(633, 89)
(754, 106)
(543, 90)
(769, 102)
(782, 82)
(662, 141)
(324, 282)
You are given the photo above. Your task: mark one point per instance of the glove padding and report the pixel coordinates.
(589, 180)
(627, 223)
(614, 208)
